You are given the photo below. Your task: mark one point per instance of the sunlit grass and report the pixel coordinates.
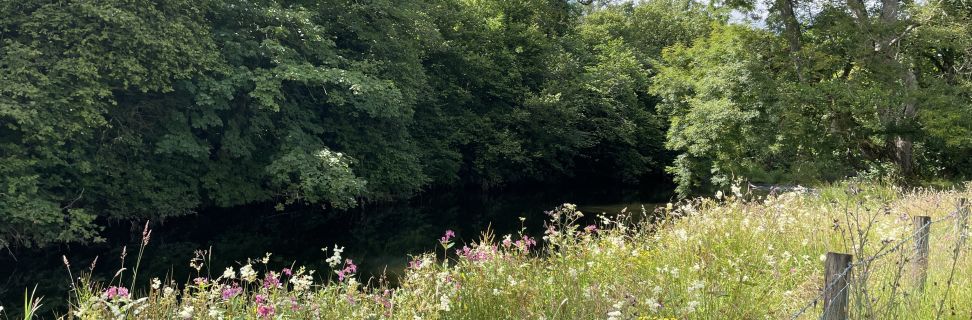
(713, 258)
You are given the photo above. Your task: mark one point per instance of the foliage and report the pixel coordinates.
(826, 94)
(152, 109)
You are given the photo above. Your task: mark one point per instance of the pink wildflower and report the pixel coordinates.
(449, 234)
(230, 292)
(260, 299)
(415, 263)
(272, 281)
(477, 254)
(287, 271)
(590, 229)
(119, 292)
(265, 311)
(349, 269)
(526, 243)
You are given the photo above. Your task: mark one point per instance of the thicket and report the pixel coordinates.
(143, 109)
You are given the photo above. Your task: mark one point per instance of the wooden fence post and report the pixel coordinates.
(962, 220)
(836, 272)
(920, 263)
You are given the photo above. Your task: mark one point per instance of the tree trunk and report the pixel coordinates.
(903, 145)
(791, 30)
(904, 155)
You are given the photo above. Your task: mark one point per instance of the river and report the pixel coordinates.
(378, 237)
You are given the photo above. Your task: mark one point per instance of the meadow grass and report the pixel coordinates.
(730, 257)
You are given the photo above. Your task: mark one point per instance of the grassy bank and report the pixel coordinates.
(731, 257)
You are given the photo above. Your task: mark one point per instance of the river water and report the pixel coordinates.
(378, 237)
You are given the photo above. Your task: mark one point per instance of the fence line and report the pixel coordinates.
(922, 231)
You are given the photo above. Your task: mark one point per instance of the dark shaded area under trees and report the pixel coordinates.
(132, 110)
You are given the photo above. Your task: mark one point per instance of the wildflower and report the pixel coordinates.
(692, 305)
(116, 292)
(260, 298)
(526, 243)
(272, 281)
(697, 285)
(444, 303)
(507, 241)
(301, 282)
(265, 311)
(215, 314)
(186, 312)
(229, 273)
(590, 228)
(681, 234)
(335, 258)
(167, 292)
(266, 258)
(200, 281)
(449, 234)
(293, 304)
(614, 315)
(247, 273)
(287, 271)
(156, 283)
(349, 269)
(416, 263)
(653, 304)
(230, 292)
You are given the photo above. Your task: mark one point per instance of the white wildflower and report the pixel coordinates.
(682, 234)
(266, 259)
(690, 307)
(167, 292)
(156, 283)
(614, 315)
(229, 273)
(653, 304)
(335, 258)
(444, 303)
(302, 282)
(186, 312)
(697, 285)
(247, 273)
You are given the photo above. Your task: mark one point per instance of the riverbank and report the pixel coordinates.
(725, 257)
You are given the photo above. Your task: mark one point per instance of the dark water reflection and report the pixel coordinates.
(378, 237)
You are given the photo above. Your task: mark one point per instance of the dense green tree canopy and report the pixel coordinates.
(143, 109)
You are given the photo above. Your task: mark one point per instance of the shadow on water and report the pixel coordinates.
(378, 237)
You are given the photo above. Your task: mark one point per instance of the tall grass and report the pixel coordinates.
(731, 257)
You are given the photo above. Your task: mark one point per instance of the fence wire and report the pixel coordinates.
(883, 252)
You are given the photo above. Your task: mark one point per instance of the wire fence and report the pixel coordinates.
(859, 279)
